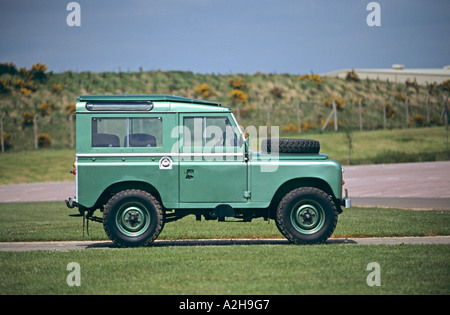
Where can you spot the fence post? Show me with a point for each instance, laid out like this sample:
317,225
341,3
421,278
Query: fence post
360,114
35,131
445,110
407,111
1,133
335,116
299,121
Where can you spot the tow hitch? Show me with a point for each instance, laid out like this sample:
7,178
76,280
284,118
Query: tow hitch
84,213
71,203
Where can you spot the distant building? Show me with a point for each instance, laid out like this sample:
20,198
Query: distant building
399,74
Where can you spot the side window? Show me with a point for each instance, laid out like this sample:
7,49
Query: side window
126,132
208,132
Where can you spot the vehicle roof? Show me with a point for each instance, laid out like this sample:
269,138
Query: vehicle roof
160,102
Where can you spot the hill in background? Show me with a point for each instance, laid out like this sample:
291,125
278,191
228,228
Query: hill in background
35,95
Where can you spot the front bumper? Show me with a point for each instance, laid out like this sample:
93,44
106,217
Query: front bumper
346,202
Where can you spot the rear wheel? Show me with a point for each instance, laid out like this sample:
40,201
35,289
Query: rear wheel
307,215
133,218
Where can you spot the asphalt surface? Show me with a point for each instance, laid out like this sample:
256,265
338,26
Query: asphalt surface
406,185
83,245
419,186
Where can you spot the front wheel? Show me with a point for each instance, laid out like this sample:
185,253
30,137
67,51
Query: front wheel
307,215
133,218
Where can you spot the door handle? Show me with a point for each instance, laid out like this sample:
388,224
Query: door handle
188,174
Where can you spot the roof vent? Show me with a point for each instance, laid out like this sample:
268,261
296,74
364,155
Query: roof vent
398,67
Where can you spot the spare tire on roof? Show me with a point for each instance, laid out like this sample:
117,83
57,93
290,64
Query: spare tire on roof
284,145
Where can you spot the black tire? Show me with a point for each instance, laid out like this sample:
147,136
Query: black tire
133,218
283,145
307,215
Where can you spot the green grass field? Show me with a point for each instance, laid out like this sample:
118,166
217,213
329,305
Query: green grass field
237,269
229,270
49,221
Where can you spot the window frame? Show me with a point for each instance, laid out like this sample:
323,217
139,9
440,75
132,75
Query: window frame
129,122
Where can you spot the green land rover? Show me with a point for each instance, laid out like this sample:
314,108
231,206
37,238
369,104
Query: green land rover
145,160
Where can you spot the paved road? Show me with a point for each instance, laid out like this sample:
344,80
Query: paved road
82,245
406,185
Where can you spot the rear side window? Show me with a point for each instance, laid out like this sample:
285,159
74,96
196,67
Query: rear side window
126,132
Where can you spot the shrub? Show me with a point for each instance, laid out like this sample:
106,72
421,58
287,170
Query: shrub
56,88
340,102
390,111
401,97
245,111
46,108
305,127
37,72
22,85
445,85
27,119
417,119
5,88
44,140
352,76
310,77
70,109
9,68
290,128
7,141
239,84
204,90
25,92
24,73
238,96
436,121
277,93
412,84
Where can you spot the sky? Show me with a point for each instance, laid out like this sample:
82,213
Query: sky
225,36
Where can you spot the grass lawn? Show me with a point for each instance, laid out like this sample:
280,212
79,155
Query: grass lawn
49,221
228,270
45,165
237,269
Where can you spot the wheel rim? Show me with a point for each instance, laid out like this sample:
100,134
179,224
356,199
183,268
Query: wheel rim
308,217
133,219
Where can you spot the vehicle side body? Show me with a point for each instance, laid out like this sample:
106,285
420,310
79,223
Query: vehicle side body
162,145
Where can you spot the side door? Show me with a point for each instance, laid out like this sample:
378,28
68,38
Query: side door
212,166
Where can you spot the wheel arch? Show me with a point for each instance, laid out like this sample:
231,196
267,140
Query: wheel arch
119,186
297,183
